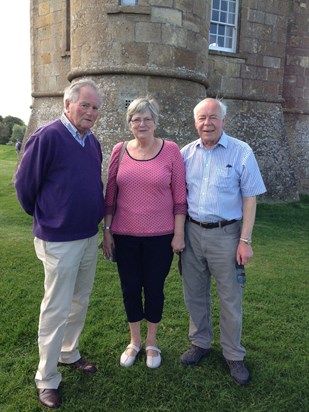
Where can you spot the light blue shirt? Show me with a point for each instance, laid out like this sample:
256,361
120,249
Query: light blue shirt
218,178
74,132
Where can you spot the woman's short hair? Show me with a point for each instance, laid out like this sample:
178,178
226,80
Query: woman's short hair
141,105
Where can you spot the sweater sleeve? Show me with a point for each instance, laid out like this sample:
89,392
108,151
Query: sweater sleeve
31,172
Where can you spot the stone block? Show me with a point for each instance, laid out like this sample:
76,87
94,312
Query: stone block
46,58
161,55
197,42
165,15
189,23
175,36
269,61
304,61
139,51
184,5
44,8
231,86
185,59
256,16
163,3
148,33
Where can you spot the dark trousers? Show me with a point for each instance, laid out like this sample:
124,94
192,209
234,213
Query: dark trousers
143,265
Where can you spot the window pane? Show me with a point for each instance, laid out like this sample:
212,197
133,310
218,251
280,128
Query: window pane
221,30
228,42
212,40
220,41
215,15
213,28
224,5
215,4
229,31
232,7
231,19
223,17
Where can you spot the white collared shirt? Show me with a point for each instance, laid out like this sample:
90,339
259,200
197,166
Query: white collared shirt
74,132
218,178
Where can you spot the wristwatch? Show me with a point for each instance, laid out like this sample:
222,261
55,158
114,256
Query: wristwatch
246,240
106,227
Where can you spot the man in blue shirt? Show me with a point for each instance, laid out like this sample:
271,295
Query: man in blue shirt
223,180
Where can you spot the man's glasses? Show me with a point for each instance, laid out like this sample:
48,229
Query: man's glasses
137,121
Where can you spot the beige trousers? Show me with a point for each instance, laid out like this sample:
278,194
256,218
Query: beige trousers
69,275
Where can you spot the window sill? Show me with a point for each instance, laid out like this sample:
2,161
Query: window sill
128,10
224,53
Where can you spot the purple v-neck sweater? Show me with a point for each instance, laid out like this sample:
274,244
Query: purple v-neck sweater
59,183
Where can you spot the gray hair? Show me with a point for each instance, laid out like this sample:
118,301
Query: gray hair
223,108
141,105
72,92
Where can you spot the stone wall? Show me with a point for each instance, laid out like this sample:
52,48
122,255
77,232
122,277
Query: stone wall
50,59
296,91
161,48
261,124
256,71
251,82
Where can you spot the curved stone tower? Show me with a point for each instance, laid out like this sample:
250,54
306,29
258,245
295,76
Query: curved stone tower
129,51
160,47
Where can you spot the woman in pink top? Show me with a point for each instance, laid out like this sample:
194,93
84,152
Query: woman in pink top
147,225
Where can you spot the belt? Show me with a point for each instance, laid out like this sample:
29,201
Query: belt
211,225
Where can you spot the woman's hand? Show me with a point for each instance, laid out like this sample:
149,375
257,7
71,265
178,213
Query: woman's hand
178,243
108,244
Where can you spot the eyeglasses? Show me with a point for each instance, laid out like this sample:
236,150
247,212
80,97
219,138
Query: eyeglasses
137,121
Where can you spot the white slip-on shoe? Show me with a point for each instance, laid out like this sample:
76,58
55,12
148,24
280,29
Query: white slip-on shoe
128,360
153,361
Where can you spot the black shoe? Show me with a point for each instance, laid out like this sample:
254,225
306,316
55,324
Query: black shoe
238,371
193,355
49,397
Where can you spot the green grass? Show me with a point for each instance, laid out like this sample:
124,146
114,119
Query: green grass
275,332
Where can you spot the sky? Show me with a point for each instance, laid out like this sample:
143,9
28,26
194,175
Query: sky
15,68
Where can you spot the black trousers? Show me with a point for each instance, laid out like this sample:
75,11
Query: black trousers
143,265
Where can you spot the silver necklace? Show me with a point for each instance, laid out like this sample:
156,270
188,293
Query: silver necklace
144,154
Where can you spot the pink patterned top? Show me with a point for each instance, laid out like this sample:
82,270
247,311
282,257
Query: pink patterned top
150,192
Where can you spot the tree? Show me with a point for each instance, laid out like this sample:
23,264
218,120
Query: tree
18,133
4,133
6,127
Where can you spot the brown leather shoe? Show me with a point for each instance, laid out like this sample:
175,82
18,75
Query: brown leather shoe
82,365
49,397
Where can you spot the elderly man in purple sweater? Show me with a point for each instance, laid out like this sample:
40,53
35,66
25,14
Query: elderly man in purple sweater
59,183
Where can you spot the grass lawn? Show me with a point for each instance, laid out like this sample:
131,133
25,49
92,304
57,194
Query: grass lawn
275,330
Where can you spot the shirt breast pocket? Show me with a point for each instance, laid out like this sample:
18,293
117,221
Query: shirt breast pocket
226,179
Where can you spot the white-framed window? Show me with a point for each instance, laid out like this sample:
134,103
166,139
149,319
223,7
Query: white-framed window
223,25
127,2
